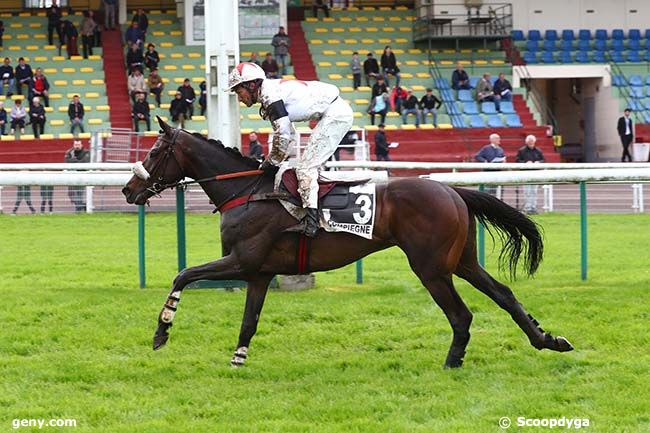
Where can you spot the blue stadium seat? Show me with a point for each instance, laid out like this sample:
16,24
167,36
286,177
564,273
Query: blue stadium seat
647,82
441,83
473,81
646,44
568,35
646,116
599,57
476,122
530,58
549,45
600,45
617,56
517,35
636,81
452,109
634,44
495,121
566,45
465,95
507,107
534,35
582,57
493,79
532,45
633,56
447,95
470,108
584,34
636,105
634,34
637,92
647,104
617,44
458,122
646,57
565,57
547,57
513,121
601,34
618,34
619,81
488,108
584,45
550,35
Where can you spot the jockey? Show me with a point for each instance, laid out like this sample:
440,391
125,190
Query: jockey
287,101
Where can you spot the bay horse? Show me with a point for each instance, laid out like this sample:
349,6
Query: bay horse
433,223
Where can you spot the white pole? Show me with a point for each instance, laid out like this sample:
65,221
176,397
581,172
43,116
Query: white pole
89,199
641,205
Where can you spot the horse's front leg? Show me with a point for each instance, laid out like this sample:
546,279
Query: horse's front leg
255,295
226,268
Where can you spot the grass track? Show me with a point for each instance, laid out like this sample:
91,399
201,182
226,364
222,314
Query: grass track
76,338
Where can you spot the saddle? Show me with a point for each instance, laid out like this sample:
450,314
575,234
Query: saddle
328,189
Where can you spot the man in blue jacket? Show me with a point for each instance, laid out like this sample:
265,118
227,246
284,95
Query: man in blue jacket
491,153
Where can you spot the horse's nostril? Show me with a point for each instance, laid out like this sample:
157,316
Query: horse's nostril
126,190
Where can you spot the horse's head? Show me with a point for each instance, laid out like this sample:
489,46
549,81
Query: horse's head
159,170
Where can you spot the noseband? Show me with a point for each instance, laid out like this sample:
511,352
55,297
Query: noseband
158,186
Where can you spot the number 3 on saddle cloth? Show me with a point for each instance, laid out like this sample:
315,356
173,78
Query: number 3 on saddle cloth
344,205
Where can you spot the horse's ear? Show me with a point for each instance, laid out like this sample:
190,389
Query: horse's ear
164,126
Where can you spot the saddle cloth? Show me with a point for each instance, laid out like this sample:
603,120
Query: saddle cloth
344,205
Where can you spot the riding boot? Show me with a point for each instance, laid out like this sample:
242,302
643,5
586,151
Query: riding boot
311,222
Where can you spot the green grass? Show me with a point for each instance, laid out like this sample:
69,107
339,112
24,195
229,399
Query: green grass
76,338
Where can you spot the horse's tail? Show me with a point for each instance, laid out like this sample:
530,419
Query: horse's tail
511,226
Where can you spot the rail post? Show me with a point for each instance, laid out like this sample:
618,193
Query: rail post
180,228
583,230
141,260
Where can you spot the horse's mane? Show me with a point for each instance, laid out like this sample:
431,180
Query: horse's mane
250,162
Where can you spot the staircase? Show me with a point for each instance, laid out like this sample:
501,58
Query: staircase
523,111
303,66
116,82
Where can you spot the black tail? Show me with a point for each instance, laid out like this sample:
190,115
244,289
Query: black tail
511,226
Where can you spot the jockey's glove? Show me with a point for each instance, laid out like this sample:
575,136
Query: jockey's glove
267,166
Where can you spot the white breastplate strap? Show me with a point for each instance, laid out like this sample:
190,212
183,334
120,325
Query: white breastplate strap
139,170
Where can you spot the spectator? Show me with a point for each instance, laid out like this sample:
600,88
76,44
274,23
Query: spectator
156,84
47,193
143,22
281,42
347,143
397,97
411,106
3,119
254,147
37,117
270,67
134,36
370,68
53,22
189,95
502,88
459,78
379,87
109,14
18,115
485,91
97,35
378,105
136,84
69,34
151,57
40,86
141,112
203,97
178,109
76,114
381,144
2,31
23,193
24,76
253,59
625,128
77,155
530,155
430,104
320,4
491,153
389,66
134,59
7,77
88,26
355,65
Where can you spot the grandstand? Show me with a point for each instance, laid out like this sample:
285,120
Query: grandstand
557,75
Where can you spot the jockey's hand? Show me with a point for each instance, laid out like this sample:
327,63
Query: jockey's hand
267,166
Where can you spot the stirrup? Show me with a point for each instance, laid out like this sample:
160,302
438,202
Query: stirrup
312,223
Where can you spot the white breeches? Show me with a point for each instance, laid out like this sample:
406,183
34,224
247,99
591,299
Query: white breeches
324,140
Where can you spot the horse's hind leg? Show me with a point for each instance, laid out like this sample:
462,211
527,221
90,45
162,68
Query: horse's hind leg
471,271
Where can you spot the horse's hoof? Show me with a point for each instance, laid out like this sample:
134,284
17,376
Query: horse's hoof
563,344
160,338
454,362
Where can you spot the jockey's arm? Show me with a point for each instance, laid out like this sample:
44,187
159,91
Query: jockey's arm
283,137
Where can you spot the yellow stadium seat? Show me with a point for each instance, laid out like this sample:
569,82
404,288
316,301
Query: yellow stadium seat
412,63
68,70
408,126
447,62
328,20
414,51
166,44
346,53
367,41
378,19
165,106
76,58
40,59
333,41
60,82
480,62
338,30
189,67
94,57
49,47
346,89
392,114
95,121
398,51
362,19
166,22
426,126
391,127
50,70
63,109
316,42
350,41
357,114
198,118
49,109
254,116
62,59
384,8
202,66
155,12
39,36
372,29
65,136
401,40
334,76
194,55
171,92
321,30
407,75
445,126
26,137
177,55
103,108
56,96
84,135
423,75
16,25
388,29
87,69
97,81
265,130
14,48
31,47
158,33
371,127
417,88
345,19
329,53
169,67
384,41
405,29
364,89
197,79
92,95
342,64
324,64
361,101
395,19
47,136
176,33
498,62
311,20
57,122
